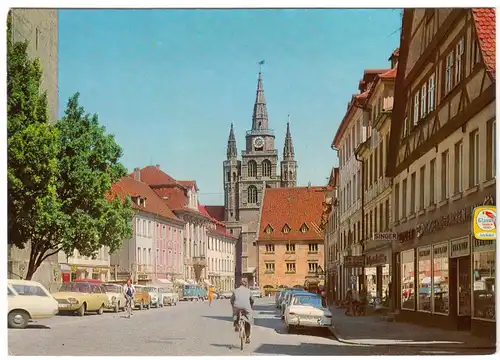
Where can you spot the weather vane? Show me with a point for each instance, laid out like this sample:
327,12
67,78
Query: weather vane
262,62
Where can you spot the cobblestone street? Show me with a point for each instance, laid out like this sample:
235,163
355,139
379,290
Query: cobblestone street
188,329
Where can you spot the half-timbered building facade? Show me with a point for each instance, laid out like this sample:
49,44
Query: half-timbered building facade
443,141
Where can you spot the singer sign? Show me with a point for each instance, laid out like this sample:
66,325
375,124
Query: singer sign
379,236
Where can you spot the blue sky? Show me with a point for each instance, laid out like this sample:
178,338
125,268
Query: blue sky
168,83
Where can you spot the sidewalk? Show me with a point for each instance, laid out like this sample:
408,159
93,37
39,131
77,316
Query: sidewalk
370,330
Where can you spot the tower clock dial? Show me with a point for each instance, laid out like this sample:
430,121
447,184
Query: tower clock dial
258,142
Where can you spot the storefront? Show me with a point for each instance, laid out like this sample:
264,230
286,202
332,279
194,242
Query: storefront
433,268
378,276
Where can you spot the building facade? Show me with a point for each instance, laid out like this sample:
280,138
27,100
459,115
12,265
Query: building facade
154,253
376,187
443,139
353,130
40,28
245,180
290,239
182,198
221,256
84,267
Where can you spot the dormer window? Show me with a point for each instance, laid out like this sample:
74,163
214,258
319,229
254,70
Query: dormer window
139,201
268,230
286,229
304,228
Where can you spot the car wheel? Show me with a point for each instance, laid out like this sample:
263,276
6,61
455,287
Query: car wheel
117,307
141,306
81,310
290,329
100,311
18,319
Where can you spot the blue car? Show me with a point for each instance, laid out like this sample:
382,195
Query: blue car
193,292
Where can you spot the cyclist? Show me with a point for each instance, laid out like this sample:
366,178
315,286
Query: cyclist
242,300
129,291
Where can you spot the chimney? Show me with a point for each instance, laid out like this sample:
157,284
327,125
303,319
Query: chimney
309,185
137,174
158,166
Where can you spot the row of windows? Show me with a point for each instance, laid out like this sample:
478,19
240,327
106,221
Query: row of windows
252,168
220,245
217,265
286,229
291,267
451,173
290,248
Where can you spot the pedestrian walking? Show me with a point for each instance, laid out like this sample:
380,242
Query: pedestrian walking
210,295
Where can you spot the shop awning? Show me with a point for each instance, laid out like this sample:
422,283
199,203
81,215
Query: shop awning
180,281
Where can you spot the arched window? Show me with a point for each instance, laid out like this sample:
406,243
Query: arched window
290,177
234,177
252,168
266,168
252,194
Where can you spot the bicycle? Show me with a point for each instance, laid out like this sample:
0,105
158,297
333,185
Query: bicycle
242,329
128,305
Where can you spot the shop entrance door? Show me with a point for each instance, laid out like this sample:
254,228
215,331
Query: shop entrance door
464,292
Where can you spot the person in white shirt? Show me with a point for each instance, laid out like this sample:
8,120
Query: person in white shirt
129,291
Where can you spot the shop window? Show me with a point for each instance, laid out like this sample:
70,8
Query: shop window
424,278
484,284
407,280
440,280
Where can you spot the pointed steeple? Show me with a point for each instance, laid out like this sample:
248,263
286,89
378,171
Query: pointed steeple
288,151
259,117
231,144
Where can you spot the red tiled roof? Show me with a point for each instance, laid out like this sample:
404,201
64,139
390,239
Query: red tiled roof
127,186
188,183
391,74
294,207
174,196
216,211
484,19
220,228
152,175
395,53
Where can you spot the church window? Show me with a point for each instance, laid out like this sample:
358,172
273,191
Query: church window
286,229
291,175
252,168
252,194
304,228
266,168
234,177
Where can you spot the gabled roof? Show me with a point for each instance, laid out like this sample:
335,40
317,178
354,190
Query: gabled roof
484,20
292,207
174,196
152,175
220,228
127,186
188,184
216,211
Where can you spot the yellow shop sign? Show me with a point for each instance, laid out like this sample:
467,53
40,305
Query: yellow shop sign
484,223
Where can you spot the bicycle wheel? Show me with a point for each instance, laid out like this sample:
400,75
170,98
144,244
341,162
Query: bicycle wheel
242,334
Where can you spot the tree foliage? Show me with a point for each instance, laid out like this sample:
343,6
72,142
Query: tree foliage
59,176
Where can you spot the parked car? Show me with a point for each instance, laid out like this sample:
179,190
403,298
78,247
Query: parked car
193,292
169,296
116,299
288,299
28,300
81,297
278,296
154,294
142,299
307,311
255,292
286,293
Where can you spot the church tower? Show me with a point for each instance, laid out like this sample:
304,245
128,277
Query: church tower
231,175
288,164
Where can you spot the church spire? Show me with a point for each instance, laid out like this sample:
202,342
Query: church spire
259,117
288,151
231,144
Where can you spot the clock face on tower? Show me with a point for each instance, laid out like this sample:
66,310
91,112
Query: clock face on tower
258,142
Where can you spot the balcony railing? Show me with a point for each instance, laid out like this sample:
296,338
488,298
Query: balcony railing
260,132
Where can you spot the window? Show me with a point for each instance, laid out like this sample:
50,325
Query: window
404,195
474,158
354,188
405,127
484,273
9,292
312,267
252,194
313,248
396,202
423,101
407,281
268,229
375,165
421,190
445,175
416,108
304,228
424,278
269,268
270,248
381,218
290,248
375,218
387,215
459,60
476,53
448,82
29,290
290,268
413,205
432,176
381,157
286,229
458,167
440,278
431,93
266,168
370,174
252,168
491,148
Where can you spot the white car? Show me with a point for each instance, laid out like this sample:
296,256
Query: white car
28,300
167,296
307,311
255,292
116,299
154,293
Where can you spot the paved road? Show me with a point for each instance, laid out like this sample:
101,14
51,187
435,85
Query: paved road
187,329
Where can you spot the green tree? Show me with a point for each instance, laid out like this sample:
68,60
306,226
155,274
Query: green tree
32,166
